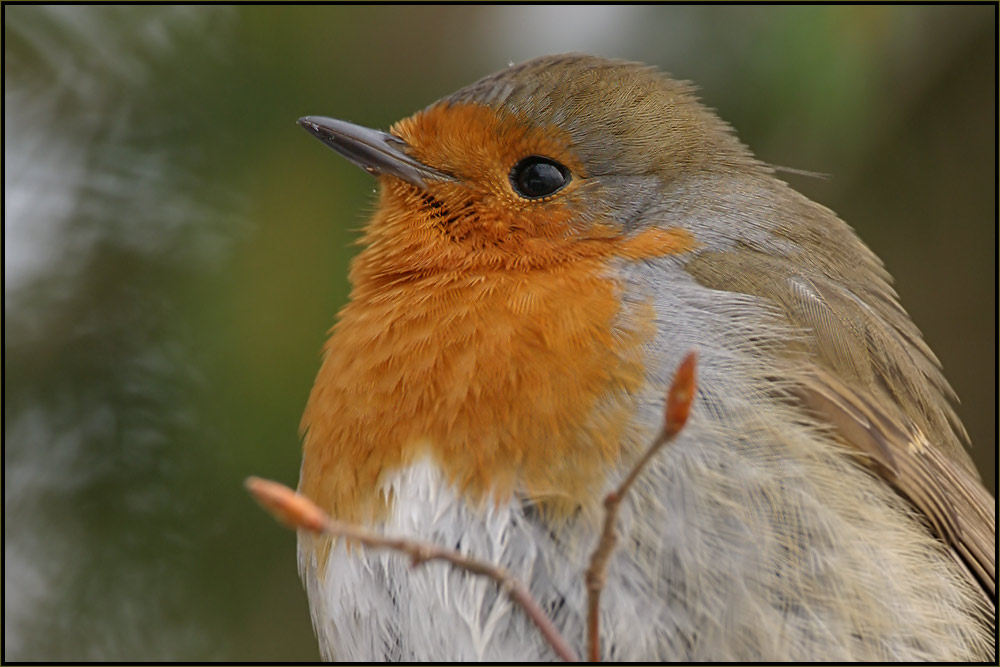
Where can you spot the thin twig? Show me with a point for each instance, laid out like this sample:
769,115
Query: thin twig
679,399
297,511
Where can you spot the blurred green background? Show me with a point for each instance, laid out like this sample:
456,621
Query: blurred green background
175,248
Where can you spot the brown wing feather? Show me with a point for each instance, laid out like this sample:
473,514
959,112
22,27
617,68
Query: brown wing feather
872,377
873,386
955,502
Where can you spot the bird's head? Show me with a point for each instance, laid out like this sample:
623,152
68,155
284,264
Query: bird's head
560,158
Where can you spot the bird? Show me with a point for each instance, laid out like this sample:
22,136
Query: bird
547,245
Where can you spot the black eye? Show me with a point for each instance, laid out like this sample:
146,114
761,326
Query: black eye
536,176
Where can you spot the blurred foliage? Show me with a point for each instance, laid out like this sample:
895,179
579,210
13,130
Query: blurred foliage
175,248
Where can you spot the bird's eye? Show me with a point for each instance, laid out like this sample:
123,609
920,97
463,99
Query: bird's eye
536,176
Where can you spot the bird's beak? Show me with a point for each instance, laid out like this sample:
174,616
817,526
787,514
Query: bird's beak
374,151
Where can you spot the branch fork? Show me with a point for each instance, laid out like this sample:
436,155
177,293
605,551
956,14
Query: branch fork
298,512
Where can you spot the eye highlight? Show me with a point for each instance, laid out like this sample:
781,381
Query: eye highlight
535,177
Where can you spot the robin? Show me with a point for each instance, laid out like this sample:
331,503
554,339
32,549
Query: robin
549,242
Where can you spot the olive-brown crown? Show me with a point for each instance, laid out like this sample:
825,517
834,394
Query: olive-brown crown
623,118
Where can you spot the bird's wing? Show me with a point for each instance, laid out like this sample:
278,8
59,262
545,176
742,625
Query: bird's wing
864,368
875,380
956,504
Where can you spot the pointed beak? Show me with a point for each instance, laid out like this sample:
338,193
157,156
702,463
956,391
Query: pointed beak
374,151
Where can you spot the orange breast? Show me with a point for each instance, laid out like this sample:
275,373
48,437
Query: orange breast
508,380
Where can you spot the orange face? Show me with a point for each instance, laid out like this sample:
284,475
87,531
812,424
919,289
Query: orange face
477,222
